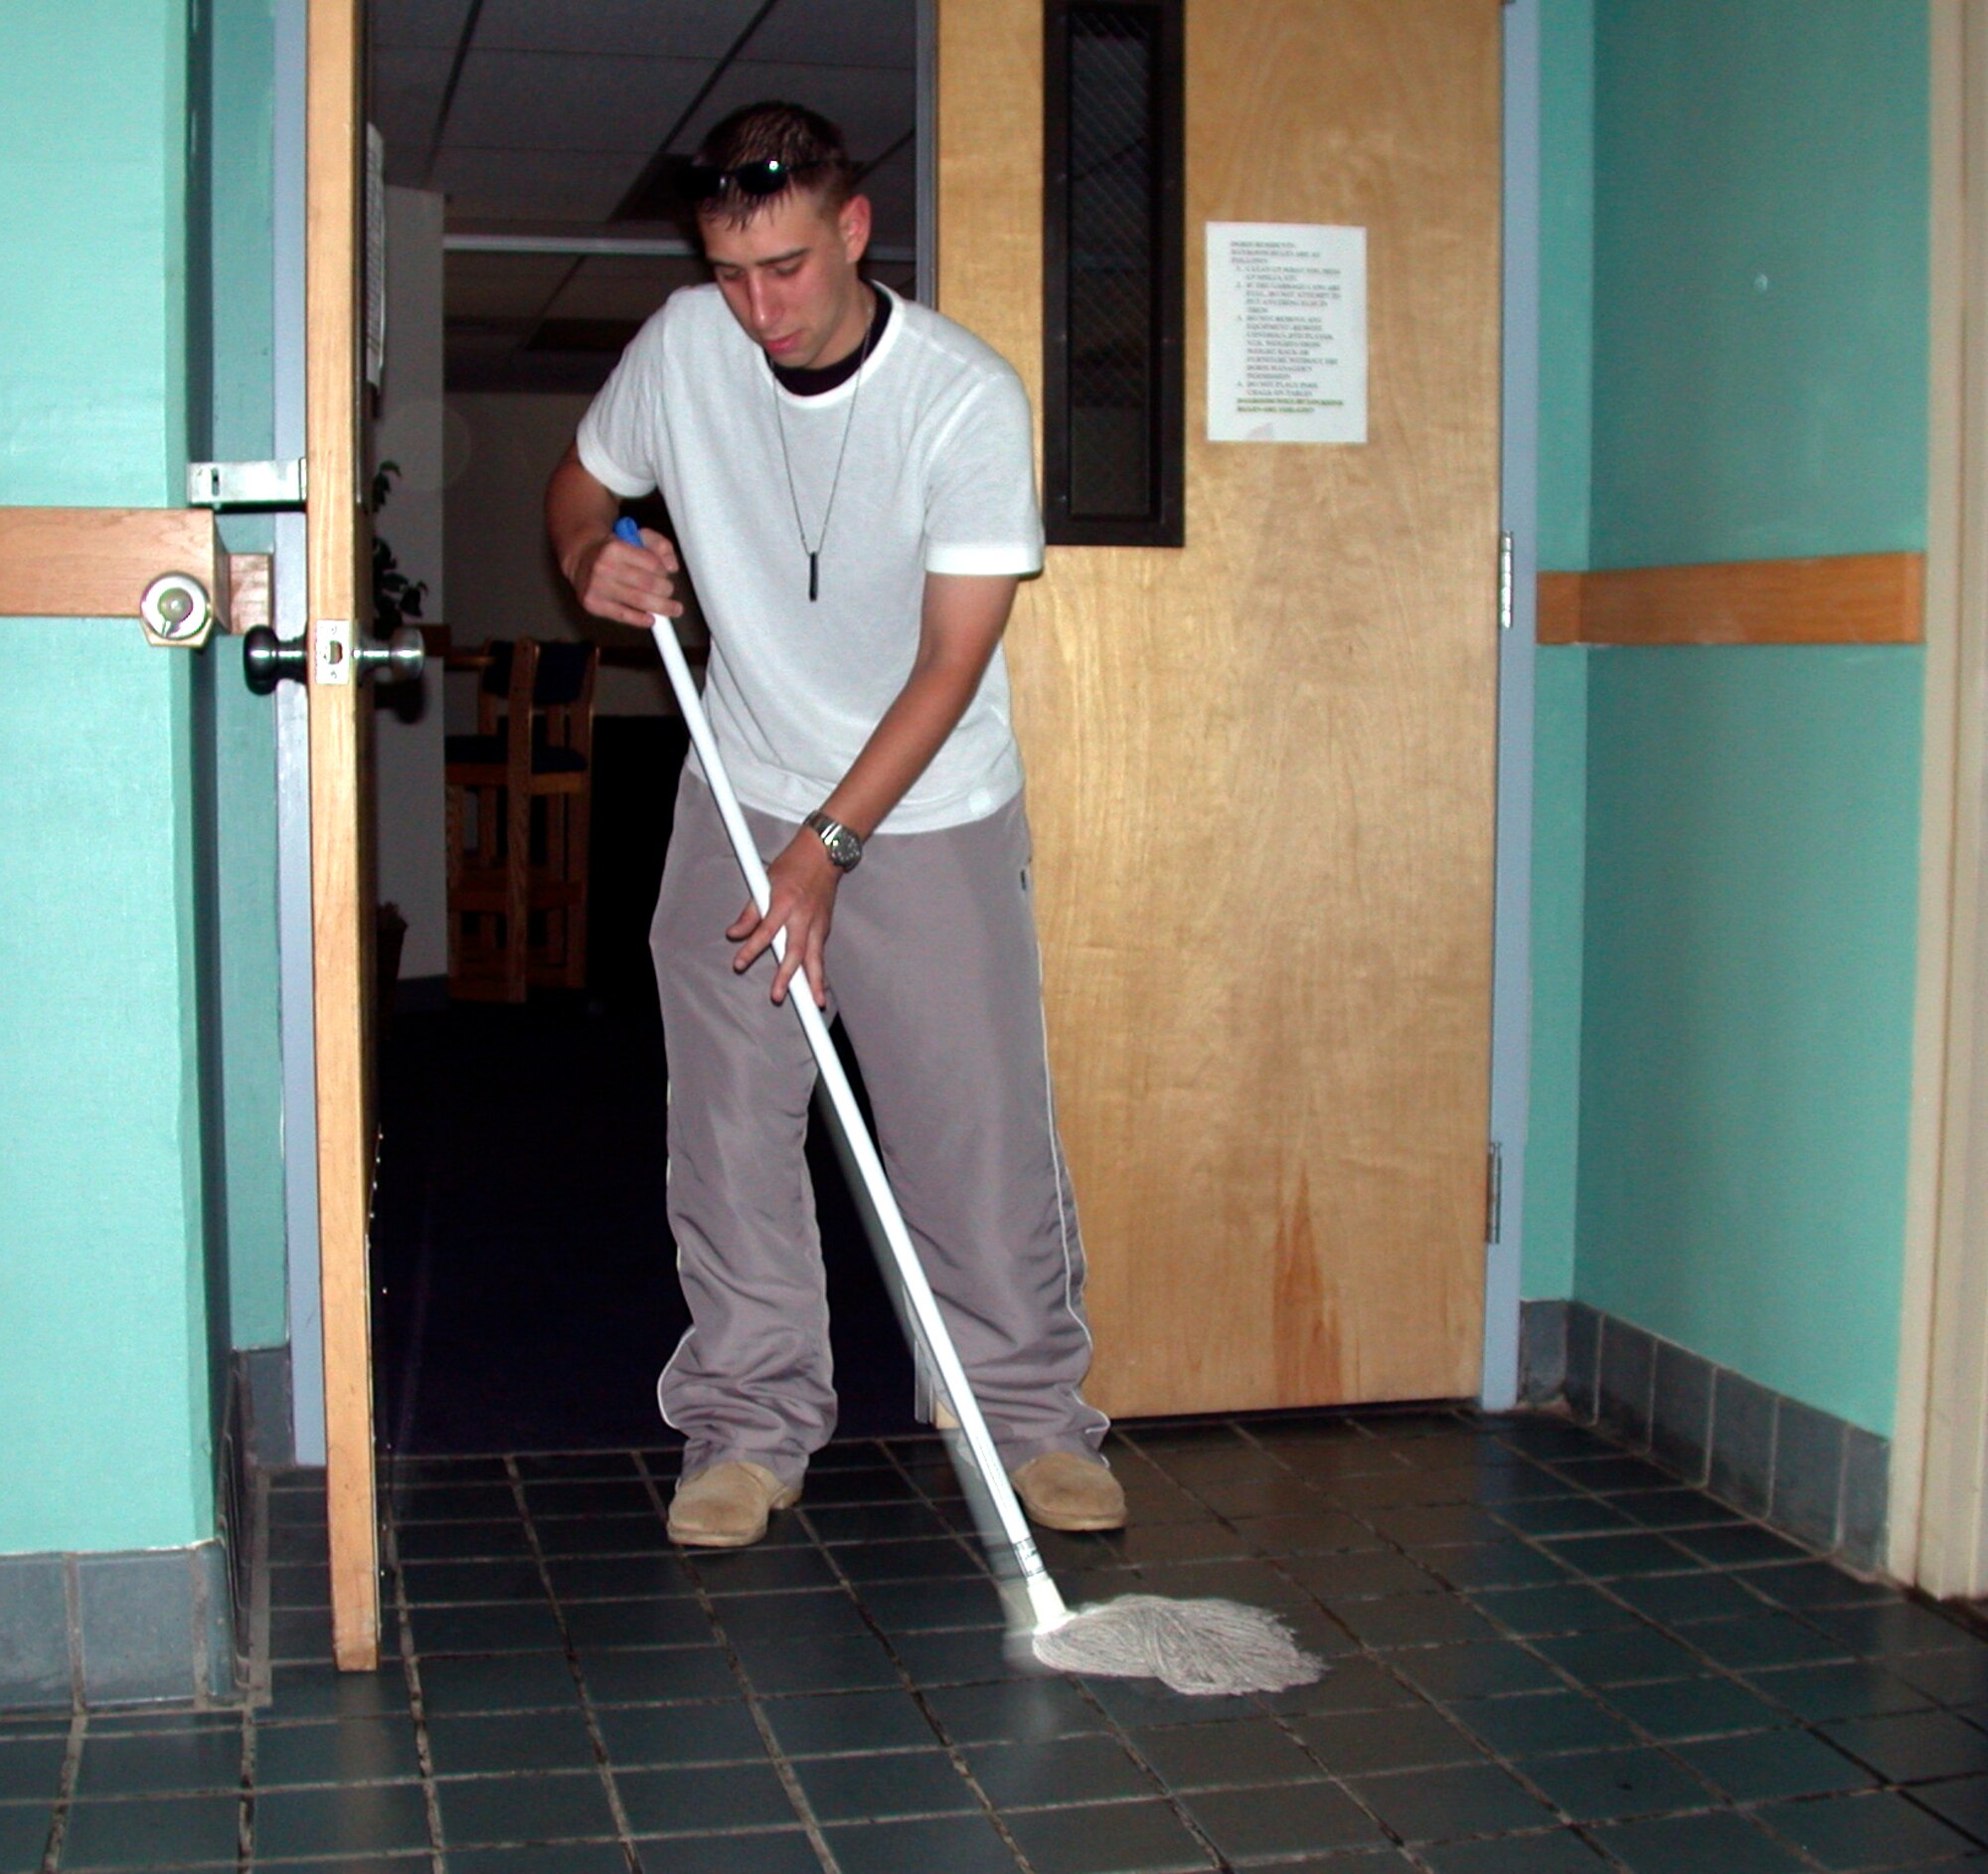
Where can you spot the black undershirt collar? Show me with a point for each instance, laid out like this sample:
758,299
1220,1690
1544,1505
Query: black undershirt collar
811,383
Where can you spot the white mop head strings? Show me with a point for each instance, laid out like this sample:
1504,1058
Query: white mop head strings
1203,1648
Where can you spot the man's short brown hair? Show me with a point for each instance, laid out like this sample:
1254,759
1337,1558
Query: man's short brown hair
799,139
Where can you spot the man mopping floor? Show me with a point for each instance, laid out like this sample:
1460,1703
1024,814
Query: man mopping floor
850,479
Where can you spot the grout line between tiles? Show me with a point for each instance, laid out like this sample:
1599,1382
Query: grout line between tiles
257,1691
244,1809
1376,1658
78,1727
1517,1461
604,1764
411,1670
955,1754
1511,1767
778,1758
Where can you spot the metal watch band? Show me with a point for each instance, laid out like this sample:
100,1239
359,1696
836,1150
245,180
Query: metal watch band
844,848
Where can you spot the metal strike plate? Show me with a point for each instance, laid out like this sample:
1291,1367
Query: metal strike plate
246,484
331,650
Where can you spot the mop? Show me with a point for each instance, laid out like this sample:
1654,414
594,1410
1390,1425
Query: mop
1209,1645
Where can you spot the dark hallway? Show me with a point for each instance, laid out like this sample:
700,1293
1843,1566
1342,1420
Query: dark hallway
526,1294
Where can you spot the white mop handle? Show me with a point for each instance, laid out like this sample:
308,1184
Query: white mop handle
1044,1597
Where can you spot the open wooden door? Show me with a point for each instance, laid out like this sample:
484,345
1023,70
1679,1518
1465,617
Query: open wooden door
1261,766
339,602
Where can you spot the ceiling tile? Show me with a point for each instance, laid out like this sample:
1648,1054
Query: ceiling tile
470,344
416,22
840,32
570,101
525,185
892,189
501,285
623,287
680,29
407,87
473,363
873,107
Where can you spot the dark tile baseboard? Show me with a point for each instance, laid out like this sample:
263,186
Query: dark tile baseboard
154,1625
117,1628
1818,1478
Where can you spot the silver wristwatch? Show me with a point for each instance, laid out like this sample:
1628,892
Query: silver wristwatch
844,849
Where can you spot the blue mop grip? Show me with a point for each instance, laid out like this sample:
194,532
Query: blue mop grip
626,529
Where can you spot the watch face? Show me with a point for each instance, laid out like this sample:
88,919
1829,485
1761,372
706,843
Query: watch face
841,845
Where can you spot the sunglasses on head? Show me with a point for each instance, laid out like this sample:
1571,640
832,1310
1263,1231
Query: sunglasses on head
702,183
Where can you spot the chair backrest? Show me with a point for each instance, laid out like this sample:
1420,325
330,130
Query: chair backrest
509,681
545,690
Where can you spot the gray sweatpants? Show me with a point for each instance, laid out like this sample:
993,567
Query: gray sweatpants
933,967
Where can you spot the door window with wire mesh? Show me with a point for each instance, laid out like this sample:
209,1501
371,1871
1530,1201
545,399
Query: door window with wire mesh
1113,273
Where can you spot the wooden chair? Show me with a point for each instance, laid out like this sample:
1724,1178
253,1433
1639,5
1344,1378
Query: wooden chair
518,879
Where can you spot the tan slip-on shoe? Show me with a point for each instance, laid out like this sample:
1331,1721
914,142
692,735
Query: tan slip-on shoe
725,1506
1066,1490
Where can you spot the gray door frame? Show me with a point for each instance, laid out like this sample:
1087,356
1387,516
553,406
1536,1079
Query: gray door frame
1512,956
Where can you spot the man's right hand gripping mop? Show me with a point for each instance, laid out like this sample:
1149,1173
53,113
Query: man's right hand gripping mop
1201,1645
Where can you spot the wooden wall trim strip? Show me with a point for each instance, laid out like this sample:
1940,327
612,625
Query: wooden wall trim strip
96,563
1559,608
1841,598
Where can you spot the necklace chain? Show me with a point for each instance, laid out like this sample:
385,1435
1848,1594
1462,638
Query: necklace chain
835,482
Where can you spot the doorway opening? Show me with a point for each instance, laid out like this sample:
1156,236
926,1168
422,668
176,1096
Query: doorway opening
525,1290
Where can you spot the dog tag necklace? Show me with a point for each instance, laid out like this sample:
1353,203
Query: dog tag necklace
786,461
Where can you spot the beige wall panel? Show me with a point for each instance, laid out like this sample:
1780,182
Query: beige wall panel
1261,767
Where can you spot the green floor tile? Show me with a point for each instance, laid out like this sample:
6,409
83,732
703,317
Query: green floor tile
160,1763
361,1819
148,1832
358,1750
561,1805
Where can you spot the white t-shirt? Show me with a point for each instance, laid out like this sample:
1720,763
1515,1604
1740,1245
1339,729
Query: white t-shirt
939,476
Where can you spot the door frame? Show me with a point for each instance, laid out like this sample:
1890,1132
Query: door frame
332,1402
1938,1536
341,896
290,618
1512,888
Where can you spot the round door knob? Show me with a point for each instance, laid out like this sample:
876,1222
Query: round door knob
398,660
266,660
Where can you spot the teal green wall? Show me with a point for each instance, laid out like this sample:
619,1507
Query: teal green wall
1560,849
239,115
1559,695
1752,824
105,1391
1740,142
92,220
1567,273
1751,878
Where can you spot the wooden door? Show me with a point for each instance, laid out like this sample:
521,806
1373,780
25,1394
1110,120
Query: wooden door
1261,766
341,860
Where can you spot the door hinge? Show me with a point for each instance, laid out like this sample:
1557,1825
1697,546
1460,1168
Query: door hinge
1504,582
1494,1191
246,484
